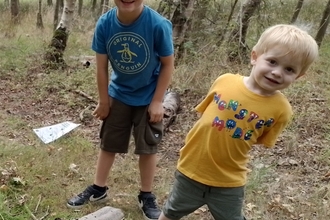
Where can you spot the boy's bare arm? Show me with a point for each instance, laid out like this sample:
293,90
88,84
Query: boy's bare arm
102,79
156,110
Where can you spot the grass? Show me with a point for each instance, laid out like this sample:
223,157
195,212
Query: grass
287,182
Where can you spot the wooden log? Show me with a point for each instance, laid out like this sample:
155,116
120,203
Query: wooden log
171,104
105,213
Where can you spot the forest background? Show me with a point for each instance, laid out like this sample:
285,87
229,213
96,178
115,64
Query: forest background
42,83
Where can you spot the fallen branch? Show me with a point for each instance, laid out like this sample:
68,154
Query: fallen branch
29,212
45,215
37,206
85,95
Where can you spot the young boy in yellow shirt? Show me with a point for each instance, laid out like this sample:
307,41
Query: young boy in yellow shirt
237,113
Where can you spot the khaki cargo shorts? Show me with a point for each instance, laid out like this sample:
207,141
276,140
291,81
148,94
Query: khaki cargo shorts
124,120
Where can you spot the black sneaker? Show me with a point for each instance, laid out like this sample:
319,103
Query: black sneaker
148,205
88,195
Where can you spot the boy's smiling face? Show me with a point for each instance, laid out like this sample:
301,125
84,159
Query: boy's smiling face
273,71
125,6
128,10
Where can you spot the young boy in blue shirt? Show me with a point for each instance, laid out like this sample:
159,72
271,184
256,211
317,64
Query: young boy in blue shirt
138,43
237,113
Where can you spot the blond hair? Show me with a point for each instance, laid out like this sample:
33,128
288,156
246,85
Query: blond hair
293,40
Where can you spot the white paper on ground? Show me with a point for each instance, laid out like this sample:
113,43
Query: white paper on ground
51,133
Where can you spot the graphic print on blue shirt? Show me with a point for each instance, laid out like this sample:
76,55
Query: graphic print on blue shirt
129,52
230,124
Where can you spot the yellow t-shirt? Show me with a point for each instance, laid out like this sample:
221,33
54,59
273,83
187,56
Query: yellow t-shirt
233,119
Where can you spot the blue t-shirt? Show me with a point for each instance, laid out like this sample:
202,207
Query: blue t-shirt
134,51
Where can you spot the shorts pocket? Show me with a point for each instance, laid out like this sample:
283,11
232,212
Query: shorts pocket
154,133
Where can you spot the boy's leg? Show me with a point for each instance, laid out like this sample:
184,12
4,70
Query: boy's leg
147,137
103,167
115,134
95,193
186,196
226,203
147,165
147,200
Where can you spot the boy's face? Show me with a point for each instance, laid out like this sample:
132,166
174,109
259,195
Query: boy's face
273,71
128,6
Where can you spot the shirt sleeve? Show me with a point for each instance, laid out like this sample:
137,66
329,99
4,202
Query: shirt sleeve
164,38
209,97
269,137
99,38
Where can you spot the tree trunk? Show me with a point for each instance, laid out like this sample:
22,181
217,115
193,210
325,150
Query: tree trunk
80,5
56,13
93,5
238,48
54,54
323,25
297,11
224,31
40,24
50,2
180,21
105,6
61,4
100,11
6,3
14,9
166,8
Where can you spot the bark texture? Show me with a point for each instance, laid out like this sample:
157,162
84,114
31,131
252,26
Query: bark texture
323,25
54,54
171,104
297,11
238,52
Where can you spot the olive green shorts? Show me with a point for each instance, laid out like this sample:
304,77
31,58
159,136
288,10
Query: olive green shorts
122,121
188,195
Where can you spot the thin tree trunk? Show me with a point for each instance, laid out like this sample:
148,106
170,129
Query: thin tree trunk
223,32
56,12
166,7
100,7
323,25
14,9
50,2
6,3
61,4
93,5
54,54
40,24
105,7
297,11
80,5
180,21
238,47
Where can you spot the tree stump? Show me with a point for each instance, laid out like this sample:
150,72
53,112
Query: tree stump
171,104
105,213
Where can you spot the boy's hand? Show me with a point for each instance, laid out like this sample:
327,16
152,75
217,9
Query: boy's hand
156,112
102,109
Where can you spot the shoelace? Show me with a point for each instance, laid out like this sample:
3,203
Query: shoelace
85,193
150,203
